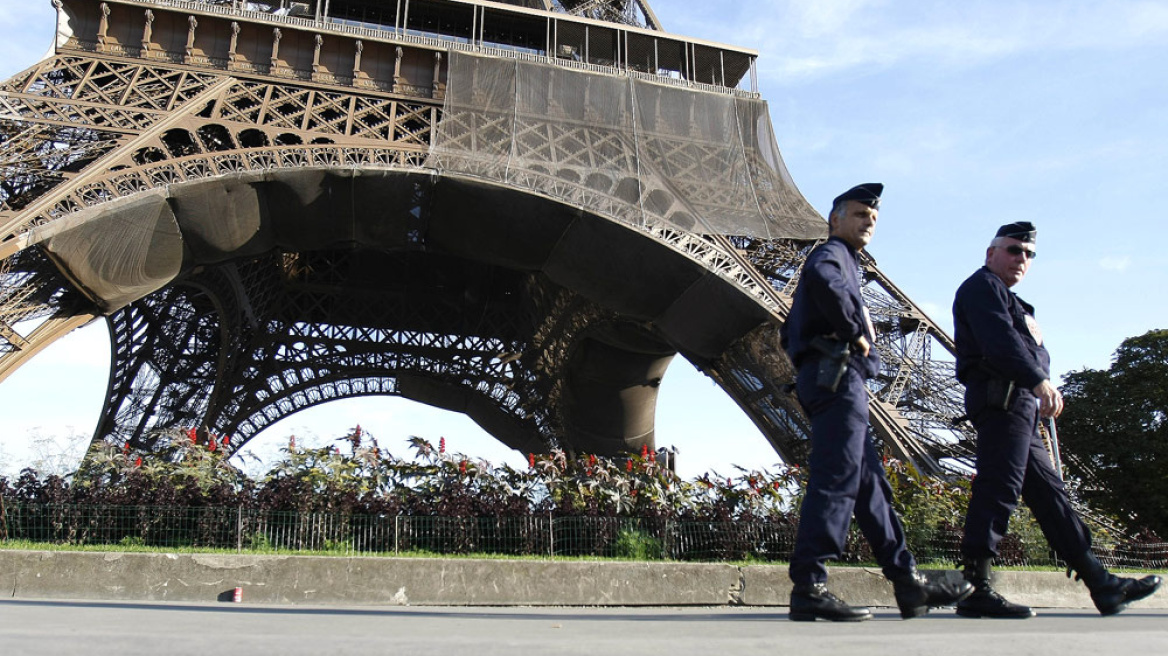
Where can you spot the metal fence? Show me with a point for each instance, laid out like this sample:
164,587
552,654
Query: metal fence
262,531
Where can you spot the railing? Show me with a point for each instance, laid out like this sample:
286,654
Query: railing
387,33
253,530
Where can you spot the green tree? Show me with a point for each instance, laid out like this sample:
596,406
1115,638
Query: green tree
1114,433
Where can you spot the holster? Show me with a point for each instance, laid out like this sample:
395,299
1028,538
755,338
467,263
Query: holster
833,362
998,393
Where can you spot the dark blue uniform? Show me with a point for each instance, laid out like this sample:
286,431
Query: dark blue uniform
847,476
998,340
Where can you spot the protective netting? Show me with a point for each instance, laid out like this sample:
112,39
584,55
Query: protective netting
120,251
620,147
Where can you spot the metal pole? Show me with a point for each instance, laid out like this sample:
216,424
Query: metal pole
1055,457
625,47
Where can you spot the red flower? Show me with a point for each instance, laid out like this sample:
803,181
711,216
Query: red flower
629,465
462,466
193,434
138,462
644,450
126,447
775,485
592,460
531,460
652,456
357,431
442,445
211,444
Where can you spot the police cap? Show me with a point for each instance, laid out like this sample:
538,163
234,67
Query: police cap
867,193
1023,231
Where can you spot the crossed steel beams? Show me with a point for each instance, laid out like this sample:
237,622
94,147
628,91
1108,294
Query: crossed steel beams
238,346
629,12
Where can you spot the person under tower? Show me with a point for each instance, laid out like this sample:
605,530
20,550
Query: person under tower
1003,362
830,339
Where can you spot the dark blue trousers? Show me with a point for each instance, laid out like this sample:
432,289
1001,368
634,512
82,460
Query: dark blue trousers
1012,462
847,477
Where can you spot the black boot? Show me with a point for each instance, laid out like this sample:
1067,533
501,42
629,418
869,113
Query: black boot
915,594
1110,593
985,601
814,601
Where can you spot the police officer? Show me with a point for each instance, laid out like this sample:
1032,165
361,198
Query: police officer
829,336
1005,367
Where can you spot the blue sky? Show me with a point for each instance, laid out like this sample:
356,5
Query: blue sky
973,114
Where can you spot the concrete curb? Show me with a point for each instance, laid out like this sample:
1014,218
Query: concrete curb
284,580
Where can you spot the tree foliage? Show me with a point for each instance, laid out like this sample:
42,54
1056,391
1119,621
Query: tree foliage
1114,433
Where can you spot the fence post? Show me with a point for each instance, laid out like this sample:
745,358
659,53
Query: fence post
665,539
551,535
239,529
396,533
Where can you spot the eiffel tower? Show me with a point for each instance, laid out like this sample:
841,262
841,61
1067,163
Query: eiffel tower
521,210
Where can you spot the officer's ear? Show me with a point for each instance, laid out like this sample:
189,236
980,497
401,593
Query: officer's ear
832,216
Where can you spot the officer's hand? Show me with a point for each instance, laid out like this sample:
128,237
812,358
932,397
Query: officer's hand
863,346
1050,401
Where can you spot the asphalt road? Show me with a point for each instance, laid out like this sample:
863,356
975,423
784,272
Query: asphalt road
117,628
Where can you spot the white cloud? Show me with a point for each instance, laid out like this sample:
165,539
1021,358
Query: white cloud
1119,263
1149,18
804,39
818,18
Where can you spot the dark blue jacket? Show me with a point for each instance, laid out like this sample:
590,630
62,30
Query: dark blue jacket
828,302
992,333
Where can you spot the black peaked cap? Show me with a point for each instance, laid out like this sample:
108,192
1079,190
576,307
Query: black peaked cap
867,193
1023,231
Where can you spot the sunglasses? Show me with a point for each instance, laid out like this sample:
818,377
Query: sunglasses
1018,250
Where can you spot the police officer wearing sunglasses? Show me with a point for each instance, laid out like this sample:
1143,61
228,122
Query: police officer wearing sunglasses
1005,367
829,337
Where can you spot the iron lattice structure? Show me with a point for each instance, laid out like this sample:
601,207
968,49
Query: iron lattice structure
517,210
